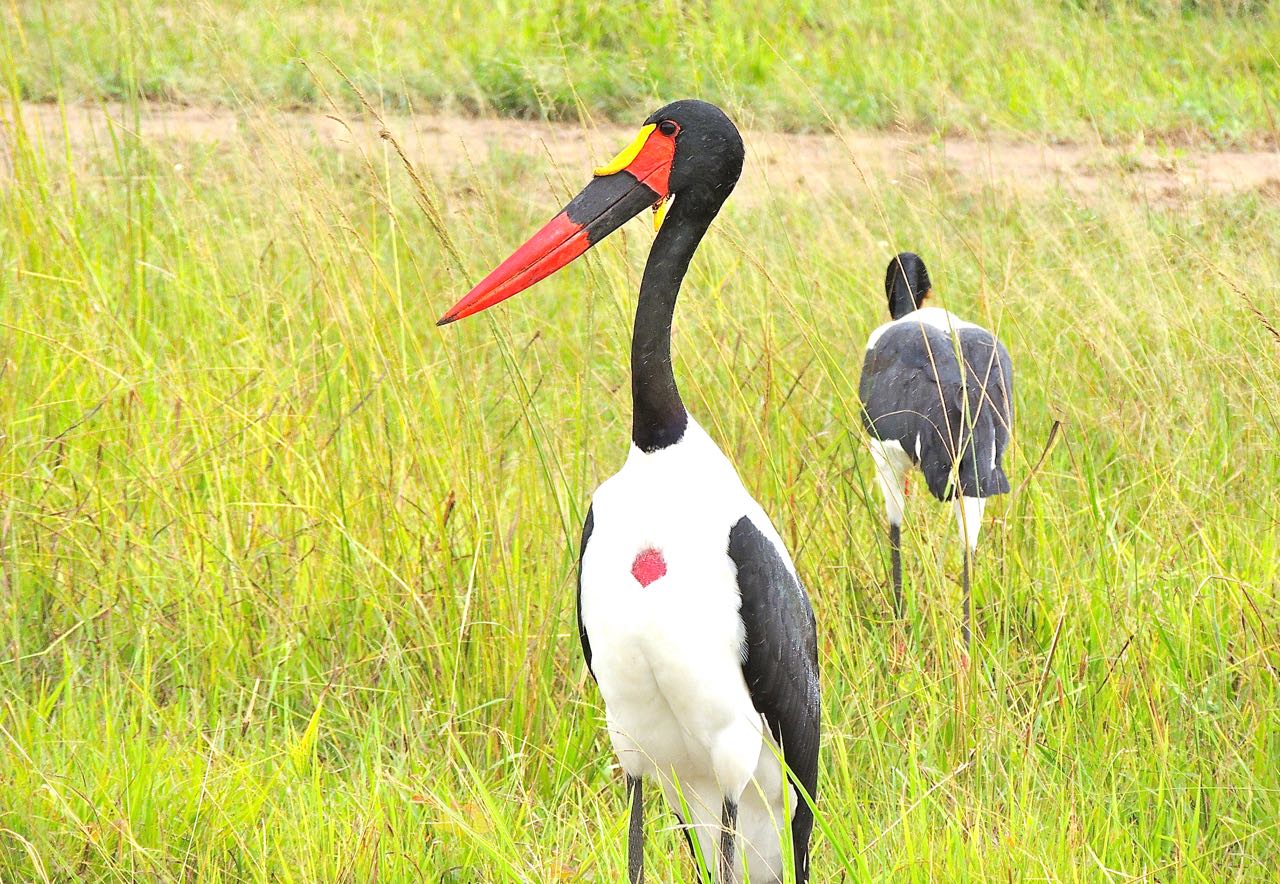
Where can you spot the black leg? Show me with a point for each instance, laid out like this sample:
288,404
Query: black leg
698,866
895,555
964,629
728,828
635,834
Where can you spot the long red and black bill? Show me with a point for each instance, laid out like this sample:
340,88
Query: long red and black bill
633,181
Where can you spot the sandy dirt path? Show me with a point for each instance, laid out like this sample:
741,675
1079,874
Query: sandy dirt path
777,162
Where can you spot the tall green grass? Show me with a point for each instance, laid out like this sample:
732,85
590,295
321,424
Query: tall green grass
1149,68
288,572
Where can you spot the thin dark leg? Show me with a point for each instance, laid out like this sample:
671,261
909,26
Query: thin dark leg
698,865
635,835
728,827
964,629
895,556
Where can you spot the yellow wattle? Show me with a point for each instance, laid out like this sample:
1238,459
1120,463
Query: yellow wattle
660,213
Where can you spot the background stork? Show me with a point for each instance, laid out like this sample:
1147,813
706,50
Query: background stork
937,394
691,617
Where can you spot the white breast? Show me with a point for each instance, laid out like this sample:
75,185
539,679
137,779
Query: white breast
668,656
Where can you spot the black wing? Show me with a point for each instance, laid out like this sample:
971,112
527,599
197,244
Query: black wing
914,392
582,550
989,385
781,667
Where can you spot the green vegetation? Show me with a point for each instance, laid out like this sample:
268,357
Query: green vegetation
1151,68
286,573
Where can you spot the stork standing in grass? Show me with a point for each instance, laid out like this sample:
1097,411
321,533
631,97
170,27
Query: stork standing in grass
937,394
692,620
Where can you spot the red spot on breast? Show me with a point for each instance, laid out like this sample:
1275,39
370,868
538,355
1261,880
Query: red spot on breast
648,566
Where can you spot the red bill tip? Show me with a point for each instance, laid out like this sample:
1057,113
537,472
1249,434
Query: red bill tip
552,247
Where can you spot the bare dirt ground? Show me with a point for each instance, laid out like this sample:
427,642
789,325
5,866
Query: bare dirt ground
777,162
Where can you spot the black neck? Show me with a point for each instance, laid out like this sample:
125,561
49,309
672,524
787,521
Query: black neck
658,416
902,300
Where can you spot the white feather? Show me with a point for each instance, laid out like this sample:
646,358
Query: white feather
969,519
935,317
892,463
668,656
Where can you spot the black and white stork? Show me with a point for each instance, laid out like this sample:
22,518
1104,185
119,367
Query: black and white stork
692,619
937,394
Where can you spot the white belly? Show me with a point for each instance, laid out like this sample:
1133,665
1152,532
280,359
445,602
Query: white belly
668,655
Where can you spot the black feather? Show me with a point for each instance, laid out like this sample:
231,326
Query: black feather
914,392
780,666
587,528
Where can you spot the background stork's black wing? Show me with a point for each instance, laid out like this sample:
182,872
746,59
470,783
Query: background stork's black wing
781,665
914,393
990,372
582,551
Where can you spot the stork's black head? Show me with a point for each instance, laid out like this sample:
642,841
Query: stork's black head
708,150
906,284
688,150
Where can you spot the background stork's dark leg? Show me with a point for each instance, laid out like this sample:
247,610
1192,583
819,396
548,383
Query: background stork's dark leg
728,829
635,834
700,867
969,519
895,556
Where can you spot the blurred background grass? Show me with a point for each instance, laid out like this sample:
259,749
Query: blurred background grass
1118,69
288,573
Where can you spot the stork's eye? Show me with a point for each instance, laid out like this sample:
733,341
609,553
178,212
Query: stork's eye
668,128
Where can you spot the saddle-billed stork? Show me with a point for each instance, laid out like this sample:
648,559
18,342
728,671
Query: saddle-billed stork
691,617
923,409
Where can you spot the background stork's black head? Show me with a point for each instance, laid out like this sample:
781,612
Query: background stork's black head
708,152
906,284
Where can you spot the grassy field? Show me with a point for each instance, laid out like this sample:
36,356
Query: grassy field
1081,68
286,588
